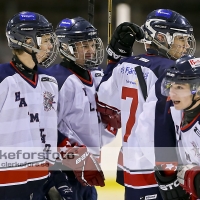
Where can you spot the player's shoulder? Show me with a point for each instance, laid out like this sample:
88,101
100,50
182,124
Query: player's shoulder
148,60
59,72
45,75
6,70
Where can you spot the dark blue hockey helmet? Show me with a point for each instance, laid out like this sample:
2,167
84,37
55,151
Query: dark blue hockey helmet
72,33
186,70
163,26
30,25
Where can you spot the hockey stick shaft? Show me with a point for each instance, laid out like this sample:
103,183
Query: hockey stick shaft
91,11
109,20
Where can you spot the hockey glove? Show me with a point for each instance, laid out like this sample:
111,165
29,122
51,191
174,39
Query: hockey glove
169,187
189,178
86,169
122,41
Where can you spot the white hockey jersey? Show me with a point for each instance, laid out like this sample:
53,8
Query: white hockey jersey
122,91
78,119
28,128
188,138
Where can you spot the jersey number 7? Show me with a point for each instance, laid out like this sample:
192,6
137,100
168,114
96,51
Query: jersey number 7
131,93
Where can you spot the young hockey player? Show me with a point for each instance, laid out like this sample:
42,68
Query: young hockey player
167,36
181,84
28,105
78,75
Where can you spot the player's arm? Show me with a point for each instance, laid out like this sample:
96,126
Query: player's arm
108,101
144,131
4,88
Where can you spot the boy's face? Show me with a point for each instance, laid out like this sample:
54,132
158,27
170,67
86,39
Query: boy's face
181,96
179,47
45,48
85,50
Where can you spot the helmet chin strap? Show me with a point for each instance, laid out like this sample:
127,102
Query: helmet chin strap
193,103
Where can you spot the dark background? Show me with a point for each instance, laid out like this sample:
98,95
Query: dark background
55,10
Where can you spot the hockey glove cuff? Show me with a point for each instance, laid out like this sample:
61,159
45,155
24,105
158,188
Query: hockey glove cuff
189,178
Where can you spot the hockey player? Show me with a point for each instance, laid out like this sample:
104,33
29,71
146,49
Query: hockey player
28,105
168,35
81,51
182,86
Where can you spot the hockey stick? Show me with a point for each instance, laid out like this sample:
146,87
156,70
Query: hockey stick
91,11
109,20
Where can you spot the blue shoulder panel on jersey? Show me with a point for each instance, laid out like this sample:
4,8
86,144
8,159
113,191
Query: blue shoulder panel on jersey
156,63
5,71
60,73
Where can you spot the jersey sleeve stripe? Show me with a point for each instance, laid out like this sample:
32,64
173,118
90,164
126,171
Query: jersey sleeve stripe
139,180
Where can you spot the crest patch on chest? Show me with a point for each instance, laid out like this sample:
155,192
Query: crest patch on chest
48,101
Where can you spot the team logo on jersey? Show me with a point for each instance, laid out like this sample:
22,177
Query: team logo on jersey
195,149
48,101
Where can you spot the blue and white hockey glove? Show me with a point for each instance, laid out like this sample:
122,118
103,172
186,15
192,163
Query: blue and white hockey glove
122,41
